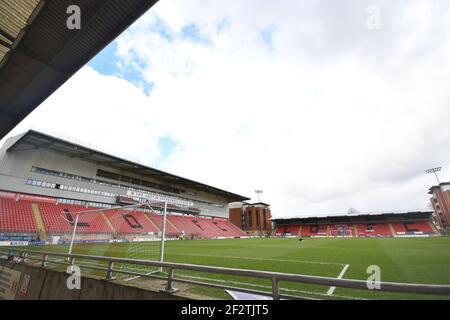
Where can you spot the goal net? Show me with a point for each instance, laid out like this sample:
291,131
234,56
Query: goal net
341,231
134,232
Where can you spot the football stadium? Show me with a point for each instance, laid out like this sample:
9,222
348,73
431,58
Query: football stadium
78,222
64,198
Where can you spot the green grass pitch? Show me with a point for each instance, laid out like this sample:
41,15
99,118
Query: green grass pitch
408,260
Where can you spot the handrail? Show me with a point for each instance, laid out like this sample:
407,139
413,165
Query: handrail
275,277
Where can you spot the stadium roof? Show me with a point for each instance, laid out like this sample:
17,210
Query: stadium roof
33,139
257,203
38,53
365,215
433,188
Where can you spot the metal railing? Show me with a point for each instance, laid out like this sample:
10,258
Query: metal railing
23,256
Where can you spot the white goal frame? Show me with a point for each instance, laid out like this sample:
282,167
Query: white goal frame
146,204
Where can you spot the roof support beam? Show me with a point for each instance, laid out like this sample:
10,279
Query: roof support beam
82,155
31,55
35,146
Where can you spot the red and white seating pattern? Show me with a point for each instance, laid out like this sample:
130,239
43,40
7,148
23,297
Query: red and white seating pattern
345,230
288,229
376,229
416,227
17,216
57,221
131,222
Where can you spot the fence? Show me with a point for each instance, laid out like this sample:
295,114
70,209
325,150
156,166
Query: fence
23,256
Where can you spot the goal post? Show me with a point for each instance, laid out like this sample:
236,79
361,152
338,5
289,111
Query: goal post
163,234
137,231
341,232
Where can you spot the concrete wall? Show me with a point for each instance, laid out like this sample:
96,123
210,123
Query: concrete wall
47,284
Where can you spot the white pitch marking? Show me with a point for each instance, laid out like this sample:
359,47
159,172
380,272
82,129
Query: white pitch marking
253,258
267,287
340,276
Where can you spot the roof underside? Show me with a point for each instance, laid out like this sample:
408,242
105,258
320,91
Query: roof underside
37,140
38,53
354,218
15,16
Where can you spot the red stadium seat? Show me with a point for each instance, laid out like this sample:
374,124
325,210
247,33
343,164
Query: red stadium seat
16,216
205,227
415,227
60,219
132,222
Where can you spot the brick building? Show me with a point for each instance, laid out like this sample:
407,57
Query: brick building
251,217
440,199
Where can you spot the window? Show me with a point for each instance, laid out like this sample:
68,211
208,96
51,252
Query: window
108,175
118,177
146,193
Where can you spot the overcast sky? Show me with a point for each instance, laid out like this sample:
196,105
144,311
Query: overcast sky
325,105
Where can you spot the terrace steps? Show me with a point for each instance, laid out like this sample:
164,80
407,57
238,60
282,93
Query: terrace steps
39,222
433,227
151,221
173,225
391,227
108,222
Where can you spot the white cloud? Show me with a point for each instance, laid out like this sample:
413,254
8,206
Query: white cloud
104,111
333,116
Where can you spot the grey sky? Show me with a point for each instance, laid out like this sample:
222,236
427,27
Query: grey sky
299,98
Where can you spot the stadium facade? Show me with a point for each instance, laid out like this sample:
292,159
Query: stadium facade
38,170
251,217
387,224
440,198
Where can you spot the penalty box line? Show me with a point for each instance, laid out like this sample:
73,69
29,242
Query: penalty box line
340,276
259,259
